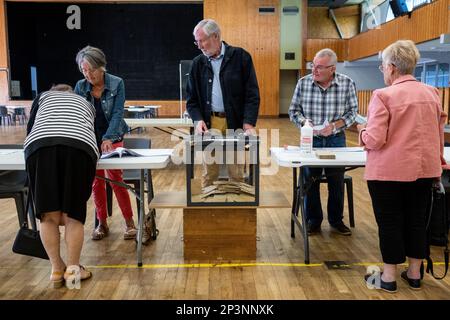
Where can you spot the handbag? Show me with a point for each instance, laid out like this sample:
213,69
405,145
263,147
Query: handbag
437,228
28,241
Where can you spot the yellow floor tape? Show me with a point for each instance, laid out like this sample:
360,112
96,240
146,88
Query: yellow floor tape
231,265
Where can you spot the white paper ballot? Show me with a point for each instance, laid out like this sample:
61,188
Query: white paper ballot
321,126
360,119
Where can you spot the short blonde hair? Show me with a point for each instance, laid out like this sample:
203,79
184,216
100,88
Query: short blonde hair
403,54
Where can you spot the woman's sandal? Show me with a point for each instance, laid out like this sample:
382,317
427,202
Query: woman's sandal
100,232
130,233
84,273
74,274
57,279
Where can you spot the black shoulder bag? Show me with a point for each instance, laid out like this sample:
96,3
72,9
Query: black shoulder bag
28,241
437,228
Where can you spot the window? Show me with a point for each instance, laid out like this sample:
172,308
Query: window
418,73
442,75
410,4
435,74
430,74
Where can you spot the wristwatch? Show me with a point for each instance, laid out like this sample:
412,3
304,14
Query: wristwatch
334,127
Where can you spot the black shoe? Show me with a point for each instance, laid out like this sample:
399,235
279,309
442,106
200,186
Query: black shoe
341,228
413,283
312,229
374,281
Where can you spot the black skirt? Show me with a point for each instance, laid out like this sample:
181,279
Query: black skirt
61,180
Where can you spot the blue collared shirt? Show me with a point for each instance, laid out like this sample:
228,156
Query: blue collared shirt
217,98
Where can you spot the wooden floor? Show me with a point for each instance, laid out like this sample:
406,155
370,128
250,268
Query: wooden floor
277,273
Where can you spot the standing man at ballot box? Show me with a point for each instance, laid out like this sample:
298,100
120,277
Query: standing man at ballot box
222,91
328,100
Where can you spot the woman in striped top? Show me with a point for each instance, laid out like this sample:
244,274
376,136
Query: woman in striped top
61,155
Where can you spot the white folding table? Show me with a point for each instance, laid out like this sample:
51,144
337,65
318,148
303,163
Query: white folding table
13,159
347,158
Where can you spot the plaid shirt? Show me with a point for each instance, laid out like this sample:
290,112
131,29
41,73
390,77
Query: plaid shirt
338,101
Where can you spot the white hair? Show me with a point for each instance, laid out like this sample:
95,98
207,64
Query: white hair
209,26
403,54
327,53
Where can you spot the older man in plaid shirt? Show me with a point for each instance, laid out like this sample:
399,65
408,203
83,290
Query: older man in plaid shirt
327,98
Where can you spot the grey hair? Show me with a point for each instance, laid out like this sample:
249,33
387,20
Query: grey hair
403,54
209,26
92,55
327,52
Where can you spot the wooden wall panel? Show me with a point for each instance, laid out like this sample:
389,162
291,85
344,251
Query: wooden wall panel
243,26
349,26
4,88
319,25
448,16
219,234
426,23
363,101
338,45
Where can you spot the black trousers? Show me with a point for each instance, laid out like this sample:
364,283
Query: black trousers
401,211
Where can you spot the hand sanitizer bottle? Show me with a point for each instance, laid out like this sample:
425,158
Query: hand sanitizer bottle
306,139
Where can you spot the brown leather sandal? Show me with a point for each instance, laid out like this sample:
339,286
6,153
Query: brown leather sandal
84,273
100,232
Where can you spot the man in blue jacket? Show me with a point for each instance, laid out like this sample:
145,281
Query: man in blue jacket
222,90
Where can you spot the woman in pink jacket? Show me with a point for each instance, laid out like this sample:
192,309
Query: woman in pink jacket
404,141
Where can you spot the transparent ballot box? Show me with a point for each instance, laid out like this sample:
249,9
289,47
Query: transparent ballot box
222,171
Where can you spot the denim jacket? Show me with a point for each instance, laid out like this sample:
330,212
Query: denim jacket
113,100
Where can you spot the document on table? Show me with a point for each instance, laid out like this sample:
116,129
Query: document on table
343,149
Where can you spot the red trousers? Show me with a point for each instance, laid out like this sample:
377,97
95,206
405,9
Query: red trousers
99,192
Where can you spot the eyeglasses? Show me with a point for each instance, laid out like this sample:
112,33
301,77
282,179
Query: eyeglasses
89,71
381,67
321,68
200,41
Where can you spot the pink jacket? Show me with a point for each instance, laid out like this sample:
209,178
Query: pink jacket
404,137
